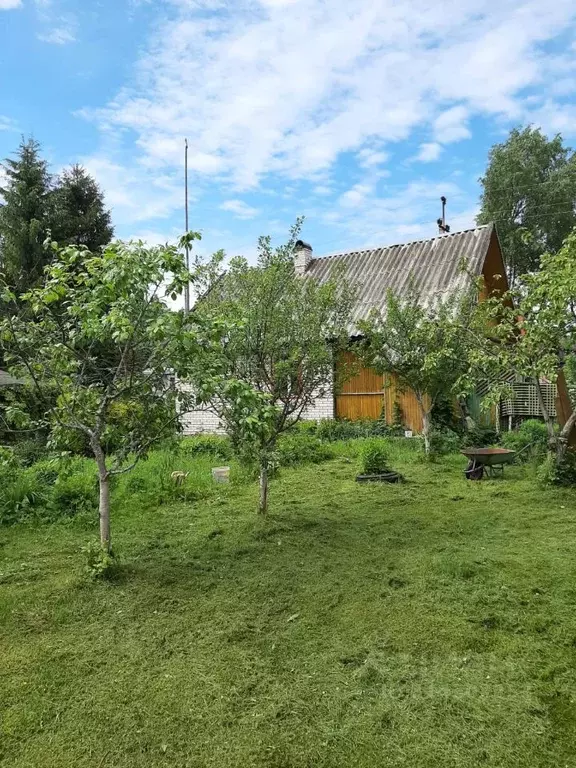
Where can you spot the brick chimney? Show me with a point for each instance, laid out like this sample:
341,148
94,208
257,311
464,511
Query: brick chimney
302,256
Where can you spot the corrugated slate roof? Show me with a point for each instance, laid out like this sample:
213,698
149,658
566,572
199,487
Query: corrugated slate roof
434,266
8,381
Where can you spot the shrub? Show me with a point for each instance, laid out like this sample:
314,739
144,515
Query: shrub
100,563
330,430
531,438
549,473
136,483
294,448
21,496
309,427
397,416
374,457
7,457
28,452
444,416
444,442
480,437
46,472
212,445
74,494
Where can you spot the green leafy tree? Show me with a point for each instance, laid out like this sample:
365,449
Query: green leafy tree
285,331
529,190
24,216
533,332
79,215
425,347
99,331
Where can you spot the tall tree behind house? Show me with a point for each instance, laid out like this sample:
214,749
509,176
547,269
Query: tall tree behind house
78,212
24,216
529,191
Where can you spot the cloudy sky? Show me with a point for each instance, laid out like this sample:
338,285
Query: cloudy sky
357,114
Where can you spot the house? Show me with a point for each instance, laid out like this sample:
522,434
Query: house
8,381
437,267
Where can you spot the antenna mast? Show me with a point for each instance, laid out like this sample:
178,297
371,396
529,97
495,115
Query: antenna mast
443,228
187,288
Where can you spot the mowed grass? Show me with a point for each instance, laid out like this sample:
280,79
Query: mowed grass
426,624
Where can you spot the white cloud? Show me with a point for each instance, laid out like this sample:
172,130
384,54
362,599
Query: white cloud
57,28
451,125
7,124
58,36
287,91
410,214
7,5
152,237
369,158
133,193
554,118
270,90
240,209
357,195
429,152
322,190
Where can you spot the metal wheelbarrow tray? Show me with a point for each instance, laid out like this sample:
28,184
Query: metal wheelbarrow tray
488,458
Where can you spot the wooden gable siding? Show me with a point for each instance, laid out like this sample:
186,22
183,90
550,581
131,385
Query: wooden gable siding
366,395
370,395
494,271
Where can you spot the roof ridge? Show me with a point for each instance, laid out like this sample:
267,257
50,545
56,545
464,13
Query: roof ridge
401,245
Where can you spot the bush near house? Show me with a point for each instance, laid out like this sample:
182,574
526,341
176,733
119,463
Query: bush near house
294,449
443,442
375,457
551,473
331,430
530,440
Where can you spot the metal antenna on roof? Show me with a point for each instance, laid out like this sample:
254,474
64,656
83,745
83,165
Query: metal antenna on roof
443,228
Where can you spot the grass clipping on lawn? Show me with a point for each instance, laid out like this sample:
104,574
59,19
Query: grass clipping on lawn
429,624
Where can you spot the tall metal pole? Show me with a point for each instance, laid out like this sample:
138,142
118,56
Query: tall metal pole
187,289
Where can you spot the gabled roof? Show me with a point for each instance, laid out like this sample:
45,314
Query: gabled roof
8,381
433,266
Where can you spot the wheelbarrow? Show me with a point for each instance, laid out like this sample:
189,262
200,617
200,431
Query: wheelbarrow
491,460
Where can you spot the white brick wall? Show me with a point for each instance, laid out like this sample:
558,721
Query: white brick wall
323,408
197,422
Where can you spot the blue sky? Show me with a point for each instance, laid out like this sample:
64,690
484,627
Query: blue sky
358,115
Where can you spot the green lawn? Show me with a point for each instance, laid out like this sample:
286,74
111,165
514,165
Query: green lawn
428,624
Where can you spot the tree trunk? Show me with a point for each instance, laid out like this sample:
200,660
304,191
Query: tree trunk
552,439
263,506
563,439
104,503
104,513
557,444
426,429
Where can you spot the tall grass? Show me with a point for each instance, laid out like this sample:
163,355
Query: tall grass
51,489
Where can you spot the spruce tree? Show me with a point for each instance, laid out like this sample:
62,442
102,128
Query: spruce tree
24,216
79,216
